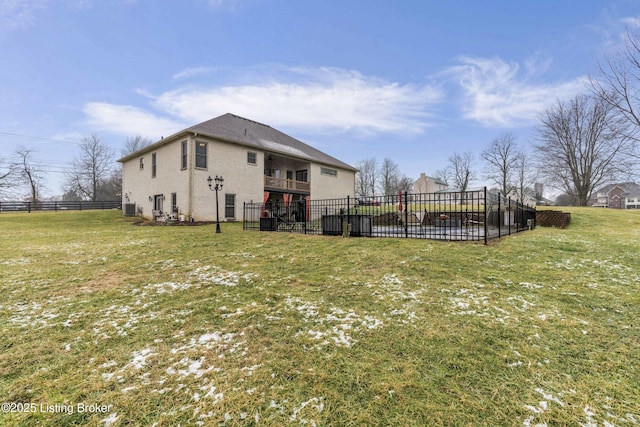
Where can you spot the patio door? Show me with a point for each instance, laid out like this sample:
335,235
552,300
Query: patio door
157,202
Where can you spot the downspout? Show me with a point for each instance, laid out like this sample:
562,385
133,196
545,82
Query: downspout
191,143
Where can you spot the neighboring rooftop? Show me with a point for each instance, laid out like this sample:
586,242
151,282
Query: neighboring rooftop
631,189
436,180
239,130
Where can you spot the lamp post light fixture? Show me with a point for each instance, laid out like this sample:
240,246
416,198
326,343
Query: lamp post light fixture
218,186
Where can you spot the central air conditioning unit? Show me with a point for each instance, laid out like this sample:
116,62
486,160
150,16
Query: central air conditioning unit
129,209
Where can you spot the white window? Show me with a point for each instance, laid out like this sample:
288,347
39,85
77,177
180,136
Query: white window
183,155
251,158
201,155
230,206
330,172
301,175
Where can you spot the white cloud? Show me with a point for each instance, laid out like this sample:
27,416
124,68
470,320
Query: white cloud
222,3
500,93
191,72
631,21
310,99
128,120
19,13
15,14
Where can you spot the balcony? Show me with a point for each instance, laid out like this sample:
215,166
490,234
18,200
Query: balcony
283,184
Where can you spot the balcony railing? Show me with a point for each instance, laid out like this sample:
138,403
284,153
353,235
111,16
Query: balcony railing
285,184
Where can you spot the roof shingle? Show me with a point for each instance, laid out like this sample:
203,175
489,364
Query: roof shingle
236,129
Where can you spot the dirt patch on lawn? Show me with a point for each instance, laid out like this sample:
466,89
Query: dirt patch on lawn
104,282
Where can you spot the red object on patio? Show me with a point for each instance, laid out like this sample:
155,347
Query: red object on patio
400,200
265,213
287,199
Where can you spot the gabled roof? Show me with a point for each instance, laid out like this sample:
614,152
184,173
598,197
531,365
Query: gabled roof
238,130
437,181
631,189
427,177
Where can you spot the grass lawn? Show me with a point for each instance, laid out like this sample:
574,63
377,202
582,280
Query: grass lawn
105,323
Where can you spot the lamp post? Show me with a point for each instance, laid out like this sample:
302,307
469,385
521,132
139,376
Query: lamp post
218,186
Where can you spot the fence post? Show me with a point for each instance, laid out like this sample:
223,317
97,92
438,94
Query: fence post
29,207
509,216
499,215
406,215
463,198
349,216
486,217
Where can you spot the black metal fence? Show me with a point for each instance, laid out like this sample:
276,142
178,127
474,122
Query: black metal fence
477,215
59,206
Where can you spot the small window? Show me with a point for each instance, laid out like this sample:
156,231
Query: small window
153,165
251,158
330,172
301,175
229,205
201,155
141,163
183,155
174,203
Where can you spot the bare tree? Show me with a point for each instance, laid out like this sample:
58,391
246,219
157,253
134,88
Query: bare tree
29,173
111,188
7,173
460,170
523,177
443,175
578,149
134,144
618,84
89,171
501,157
366,177
565,199
389,177
405,184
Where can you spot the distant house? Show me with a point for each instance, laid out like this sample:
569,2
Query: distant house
542,201
618,196
427,184
258,163
456,195
528,198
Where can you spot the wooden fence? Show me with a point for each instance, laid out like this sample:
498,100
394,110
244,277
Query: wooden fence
11,206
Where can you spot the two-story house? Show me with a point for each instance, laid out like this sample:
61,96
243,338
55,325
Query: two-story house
618,196
427,184
258,163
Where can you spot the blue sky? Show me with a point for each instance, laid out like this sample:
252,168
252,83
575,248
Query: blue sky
410,80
